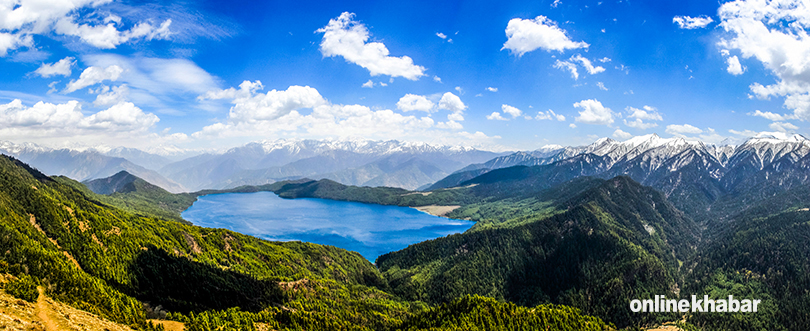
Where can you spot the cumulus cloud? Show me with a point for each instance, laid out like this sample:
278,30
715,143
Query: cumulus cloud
526,35
774,33
686,22
312,116
250,106
368,84
512,111
593,112
110,96
734,66
549,115
441,35
452,102
619,134
413,102
343,36
56,121
60,68
681,130
496,116
437,79
94,75
20,20
108,36
492,89
639,117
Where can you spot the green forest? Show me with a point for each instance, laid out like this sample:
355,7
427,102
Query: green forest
553,256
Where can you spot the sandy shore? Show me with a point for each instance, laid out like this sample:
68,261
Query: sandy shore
436,210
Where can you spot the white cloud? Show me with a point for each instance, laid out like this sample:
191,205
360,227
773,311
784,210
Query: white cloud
94,75
55,122
512,111
441,35
549,115
348,38
565,65
455,117
368,84
572,125
619,134
492,89
571,66
681,130
108,36
413,102
587,64
452,103
712,137
249,106
686,22
437,79
734,66
327,120
555,3
61,68
744,133
640,115
110,96
526,35
774,33
601,86
604,60
783,127
496,116
160,84
10,41
593,112
20,20
773,116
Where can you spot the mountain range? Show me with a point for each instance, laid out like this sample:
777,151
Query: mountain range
352,162
692,174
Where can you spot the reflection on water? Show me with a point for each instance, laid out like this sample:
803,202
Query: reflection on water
371,230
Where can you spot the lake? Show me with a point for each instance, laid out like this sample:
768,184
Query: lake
371,230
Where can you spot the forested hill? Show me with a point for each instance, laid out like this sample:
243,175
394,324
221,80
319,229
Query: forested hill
117,264
105,260
612,242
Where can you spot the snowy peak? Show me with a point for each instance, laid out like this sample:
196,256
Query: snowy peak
360,146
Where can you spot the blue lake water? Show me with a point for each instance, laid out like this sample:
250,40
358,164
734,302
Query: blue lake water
371,230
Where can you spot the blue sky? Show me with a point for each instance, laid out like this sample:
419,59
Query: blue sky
503,75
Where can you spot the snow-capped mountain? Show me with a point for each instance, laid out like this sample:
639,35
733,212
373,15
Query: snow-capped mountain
82,165
352,162
691,173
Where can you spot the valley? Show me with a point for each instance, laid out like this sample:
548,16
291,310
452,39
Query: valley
575,234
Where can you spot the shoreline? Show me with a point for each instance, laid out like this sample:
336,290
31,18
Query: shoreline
437,210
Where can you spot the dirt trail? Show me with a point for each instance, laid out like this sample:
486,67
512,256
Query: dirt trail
46,313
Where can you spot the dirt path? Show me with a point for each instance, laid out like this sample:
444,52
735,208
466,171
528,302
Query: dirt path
46,313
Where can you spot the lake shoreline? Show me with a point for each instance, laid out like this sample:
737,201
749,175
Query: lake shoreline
437,210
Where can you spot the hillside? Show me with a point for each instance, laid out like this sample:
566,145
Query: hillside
122,266
121,182
105,260
135,195
611,242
